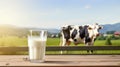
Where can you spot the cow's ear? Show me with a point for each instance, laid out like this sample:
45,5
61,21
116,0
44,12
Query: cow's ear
96,24
80,27
90,28
64,28
100,27
69,27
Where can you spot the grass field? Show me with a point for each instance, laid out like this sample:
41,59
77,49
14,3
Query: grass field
16,41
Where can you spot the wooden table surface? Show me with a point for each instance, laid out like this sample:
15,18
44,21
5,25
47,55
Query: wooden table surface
62,60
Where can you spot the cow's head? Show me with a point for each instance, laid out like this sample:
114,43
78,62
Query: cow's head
93,30
66,31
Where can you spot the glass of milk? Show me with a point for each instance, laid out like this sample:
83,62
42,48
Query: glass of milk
37,44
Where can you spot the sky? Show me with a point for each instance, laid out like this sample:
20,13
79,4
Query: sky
56,13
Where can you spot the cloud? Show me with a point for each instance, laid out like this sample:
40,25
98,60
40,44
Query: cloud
58,11
87,7
46,13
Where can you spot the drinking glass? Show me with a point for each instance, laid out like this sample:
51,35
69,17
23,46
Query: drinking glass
37,45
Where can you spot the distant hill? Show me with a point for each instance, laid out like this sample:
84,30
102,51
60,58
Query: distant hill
19,31
106,27
51,30
11,30
110,27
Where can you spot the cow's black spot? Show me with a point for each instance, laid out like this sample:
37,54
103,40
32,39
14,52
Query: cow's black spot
66,33
95,39
86,31
83,32
80,27
87,39
74,33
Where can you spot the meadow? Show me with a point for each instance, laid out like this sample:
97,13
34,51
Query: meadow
22,41
13,41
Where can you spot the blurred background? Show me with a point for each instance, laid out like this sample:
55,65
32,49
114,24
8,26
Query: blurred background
17,17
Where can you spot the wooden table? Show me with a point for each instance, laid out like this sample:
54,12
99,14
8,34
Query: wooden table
63,60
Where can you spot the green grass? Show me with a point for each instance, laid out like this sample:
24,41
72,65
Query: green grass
116,42
53,41
13,41
16,41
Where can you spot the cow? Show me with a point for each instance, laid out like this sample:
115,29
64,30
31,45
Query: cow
85,34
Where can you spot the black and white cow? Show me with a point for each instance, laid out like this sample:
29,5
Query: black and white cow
79,34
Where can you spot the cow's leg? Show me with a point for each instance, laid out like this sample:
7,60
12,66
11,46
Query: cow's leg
91,44
87,45
88,51
67,44
62,42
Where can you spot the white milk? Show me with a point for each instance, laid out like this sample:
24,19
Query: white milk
36,49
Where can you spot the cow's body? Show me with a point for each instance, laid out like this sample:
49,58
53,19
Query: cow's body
79,34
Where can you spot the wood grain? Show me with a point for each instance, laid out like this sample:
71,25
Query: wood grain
63,60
